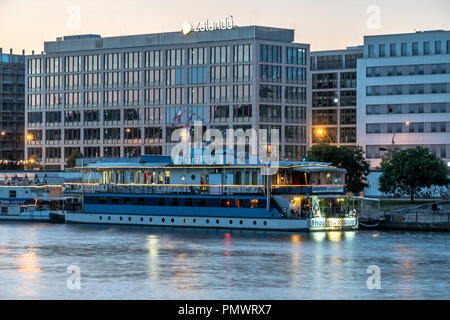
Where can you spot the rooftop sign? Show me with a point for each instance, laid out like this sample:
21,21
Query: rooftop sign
207,25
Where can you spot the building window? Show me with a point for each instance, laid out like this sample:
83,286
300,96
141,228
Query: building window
196,56
197,75
111,61
174,76
242,53
382,50
153,59
348,116
415,48
404,49
392,50
269,113
295,115
220,114
219,54
243,92
242,113
298,56
175,57
132,60
270,53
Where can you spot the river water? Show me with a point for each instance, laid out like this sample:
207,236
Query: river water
45,261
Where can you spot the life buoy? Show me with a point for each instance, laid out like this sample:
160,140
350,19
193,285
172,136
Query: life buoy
315,210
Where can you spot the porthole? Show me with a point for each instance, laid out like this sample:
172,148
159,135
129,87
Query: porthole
265,223
207,220
151,219
142,219
120,218
129,218
254,222
173,220
185,220
195,220
231,221
217,221
109,218
163,220
240,221
193,177
100,217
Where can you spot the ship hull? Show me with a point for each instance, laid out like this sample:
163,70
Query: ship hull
271,224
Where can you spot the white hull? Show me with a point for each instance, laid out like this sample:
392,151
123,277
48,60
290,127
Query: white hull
190,221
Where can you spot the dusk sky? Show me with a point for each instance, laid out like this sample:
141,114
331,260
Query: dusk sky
325,24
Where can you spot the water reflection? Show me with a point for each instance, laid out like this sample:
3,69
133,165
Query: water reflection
334,236
318,236
407,270
151,263
153,251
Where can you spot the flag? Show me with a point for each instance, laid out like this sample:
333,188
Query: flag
177,118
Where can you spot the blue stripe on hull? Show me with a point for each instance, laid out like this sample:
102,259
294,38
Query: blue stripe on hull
182,211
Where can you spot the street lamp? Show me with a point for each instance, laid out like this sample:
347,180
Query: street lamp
320,132
407,123
391,149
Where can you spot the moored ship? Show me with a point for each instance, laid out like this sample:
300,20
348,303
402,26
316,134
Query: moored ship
154,191
29,196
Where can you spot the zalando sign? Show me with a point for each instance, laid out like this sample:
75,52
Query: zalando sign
207,25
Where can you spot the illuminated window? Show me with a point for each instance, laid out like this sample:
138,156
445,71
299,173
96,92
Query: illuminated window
254,203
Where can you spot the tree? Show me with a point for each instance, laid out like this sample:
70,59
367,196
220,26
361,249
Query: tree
350,158
71,160
409,170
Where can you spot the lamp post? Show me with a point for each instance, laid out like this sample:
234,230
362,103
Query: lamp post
391,149
320,132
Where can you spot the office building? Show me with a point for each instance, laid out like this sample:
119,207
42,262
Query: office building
12,95
119,96
333,79
403,94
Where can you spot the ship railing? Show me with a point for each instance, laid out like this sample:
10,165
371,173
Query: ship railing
155,188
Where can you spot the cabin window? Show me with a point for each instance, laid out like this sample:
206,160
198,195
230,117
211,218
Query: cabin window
12,193
254,178
102,200
140,201
193,177
174,202
4,210
167,175
247,178
188,202
202,203
115,201
238,203
161,202
237,178
128,200
254,203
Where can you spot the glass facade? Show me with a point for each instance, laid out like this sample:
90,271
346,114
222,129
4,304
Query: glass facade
133,97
